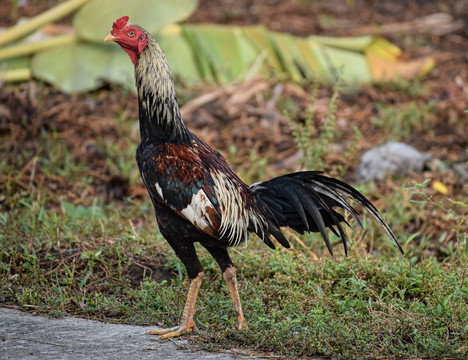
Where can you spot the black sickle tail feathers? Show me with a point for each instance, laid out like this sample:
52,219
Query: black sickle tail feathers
304,201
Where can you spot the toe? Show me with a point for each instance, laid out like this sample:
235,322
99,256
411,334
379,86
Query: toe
163,331
175,331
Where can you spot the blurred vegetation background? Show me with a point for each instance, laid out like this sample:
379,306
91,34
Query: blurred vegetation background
268,84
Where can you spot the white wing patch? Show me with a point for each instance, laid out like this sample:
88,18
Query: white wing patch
196,212
200,212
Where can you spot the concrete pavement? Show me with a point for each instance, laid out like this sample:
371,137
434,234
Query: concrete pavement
26,336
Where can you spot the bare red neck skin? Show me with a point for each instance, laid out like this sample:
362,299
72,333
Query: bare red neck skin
131,52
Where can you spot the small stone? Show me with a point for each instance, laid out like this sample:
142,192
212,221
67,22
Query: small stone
392,158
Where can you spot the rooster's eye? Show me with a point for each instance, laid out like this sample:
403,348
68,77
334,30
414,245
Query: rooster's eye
131,33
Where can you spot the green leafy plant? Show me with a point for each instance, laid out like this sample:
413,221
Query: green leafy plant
451,208
314,150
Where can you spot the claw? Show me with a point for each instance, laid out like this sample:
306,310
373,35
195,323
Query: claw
163,331
174,331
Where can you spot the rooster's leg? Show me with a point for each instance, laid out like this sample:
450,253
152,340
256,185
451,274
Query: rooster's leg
187,323
229,275
224,261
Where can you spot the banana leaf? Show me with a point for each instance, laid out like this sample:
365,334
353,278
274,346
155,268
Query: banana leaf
179,54
348,65
223,54
83,67
290,55
311,61
263,41
94,20
196,52
384,64
356,43
223,51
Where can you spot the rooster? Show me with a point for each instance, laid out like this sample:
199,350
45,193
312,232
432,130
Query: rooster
198,198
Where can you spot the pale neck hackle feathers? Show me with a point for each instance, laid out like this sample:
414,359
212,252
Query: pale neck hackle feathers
158,108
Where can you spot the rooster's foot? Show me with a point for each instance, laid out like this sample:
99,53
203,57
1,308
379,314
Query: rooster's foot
175,331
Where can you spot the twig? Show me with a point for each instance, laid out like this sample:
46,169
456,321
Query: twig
199,101
436,24
268,117
38,341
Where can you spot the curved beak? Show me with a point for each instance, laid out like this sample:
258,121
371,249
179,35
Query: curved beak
110,37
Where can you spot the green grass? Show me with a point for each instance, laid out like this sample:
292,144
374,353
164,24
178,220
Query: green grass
100,259
401,122
77,261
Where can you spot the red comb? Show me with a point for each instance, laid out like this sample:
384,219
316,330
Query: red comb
119,24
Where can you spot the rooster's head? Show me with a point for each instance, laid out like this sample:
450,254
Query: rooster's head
132,38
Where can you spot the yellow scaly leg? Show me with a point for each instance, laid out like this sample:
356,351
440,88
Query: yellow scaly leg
187,323
229,275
